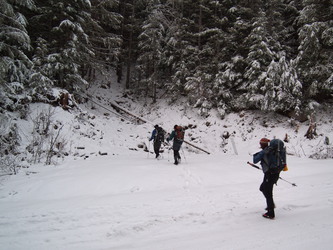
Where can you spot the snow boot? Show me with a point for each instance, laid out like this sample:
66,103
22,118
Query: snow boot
268,216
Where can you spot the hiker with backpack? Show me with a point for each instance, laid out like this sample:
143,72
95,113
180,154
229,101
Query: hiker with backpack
178,137
272,158
158,137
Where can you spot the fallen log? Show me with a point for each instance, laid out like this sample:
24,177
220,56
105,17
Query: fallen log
197,147
127,112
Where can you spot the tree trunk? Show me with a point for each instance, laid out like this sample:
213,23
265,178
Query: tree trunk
200,26
154,81
129,58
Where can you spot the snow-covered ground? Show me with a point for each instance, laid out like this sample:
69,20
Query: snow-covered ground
129,200
134,202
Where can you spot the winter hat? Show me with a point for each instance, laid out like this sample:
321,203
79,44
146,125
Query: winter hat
264,142
156,126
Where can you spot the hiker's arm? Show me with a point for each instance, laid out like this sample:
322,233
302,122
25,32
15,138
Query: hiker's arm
258,156
171,136
153,135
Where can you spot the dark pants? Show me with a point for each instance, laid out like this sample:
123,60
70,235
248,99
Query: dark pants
266,188
157,146
176,147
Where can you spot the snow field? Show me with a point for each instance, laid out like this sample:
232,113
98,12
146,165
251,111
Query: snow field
207,202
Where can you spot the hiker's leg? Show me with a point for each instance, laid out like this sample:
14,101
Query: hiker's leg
271,180
175,155
266,188
157,146
156,149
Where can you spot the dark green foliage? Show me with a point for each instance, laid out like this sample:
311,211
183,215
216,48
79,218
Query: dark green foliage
230,54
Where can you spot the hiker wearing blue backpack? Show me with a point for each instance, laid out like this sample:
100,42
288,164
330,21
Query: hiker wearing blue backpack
158,137
178,138
271,174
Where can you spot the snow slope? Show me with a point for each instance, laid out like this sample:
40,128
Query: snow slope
129,200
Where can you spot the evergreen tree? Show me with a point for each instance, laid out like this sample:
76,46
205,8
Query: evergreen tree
288,36
235,22
282,89
204,42
133,17
103,31
315,56
60,29
178,55
150,48
259,57
15,65
264,49
225,85
228,54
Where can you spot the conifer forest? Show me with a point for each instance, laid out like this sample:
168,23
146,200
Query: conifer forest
228,55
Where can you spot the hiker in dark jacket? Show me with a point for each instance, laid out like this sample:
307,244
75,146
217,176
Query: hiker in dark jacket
270,178
158,137
177,142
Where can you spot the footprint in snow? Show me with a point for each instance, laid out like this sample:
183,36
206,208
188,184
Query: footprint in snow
135,189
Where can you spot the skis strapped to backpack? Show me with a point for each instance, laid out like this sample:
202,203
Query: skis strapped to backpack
180,132
276,156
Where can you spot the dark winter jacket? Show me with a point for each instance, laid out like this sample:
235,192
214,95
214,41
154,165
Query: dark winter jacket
176,143
171,136
157,135
261,156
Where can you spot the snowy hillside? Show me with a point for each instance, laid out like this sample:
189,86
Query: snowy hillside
246,128
109,193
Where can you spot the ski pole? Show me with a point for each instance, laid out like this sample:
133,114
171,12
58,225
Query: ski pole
169,148
184,154
253,165
168,154
257,167
148,148
288,182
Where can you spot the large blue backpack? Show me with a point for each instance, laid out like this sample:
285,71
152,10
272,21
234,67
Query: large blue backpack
275,156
